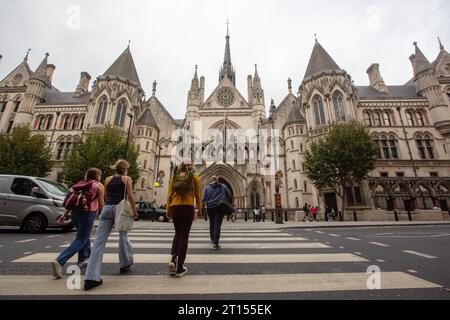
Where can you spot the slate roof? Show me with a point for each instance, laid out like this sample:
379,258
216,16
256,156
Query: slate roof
147,119
124,67
395,92
320,61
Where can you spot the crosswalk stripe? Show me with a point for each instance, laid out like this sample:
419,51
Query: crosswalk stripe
207,239
214,258
25,241
205,231
379,244
212,284
423,255
171,234
288,245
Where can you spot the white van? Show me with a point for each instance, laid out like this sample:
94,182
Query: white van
32,203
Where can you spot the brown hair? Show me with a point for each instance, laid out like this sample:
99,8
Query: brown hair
93,174
121,166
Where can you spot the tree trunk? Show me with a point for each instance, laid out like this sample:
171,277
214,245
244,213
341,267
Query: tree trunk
343,202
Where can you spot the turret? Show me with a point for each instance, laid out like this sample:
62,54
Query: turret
257,100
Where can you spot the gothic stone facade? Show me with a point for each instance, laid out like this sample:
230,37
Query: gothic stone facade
410,122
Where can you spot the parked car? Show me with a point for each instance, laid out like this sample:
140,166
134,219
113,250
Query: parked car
33,204
148,211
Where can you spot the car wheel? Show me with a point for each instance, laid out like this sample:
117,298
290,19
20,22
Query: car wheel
35,223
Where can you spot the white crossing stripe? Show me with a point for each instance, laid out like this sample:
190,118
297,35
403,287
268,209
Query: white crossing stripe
206,231
320,232
423,255
379,244
334,235
212,284
25,241
353,239
207,239
214,258
197,234
288,245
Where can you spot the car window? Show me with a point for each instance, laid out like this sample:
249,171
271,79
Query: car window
22,186
3,183
54,187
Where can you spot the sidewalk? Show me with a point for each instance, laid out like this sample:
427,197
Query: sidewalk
250,225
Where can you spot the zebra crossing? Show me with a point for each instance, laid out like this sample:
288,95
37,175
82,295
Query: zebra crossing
250,262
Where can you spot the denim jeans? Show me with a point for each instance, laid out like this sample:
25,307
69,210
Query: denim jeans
106,223
216,216
83,222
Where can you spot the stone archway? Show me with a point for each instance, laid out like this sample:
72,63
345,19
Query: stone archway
235,181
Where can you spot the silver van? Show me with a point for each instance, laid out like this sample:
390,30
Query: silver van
32,203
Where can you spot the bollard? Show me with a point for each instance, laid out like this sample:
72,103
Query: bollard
355,217
340,216
396,215
409,215
246,216
273,216
286,216
326,216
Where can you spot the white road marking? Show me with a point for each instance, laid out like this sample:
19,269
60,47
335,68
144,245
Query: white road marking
1,246
334,235
341,247
412,271
27,253
320,232
262,245
54,236
207,239
197,235
380,260
353,239
379,244
48,247
25,241
216,258
440,235
423,255
358,253
212,284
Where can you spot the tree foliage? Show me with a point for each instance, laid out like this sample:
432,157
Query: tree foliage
22,153
100,150
344,156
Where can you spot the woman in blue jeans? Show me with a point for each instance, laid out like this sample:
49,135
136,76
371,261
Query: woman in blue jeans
117,187
83,222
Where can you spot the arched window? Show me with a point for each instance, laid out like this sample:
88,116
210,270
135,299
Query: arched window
295,184
66,122
387,119
297,203
69,147
377,120
420,119
75,122
121,113
425,145
16,105
49,123
101,112
388,147
367,118
143,184
3,104
82,121
60,152
410,118
393,147
305,185
318,110
339,109
40,122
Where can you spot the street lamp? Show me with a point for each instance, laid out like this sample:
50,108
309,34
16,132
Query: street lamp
54,128
278,206
130,115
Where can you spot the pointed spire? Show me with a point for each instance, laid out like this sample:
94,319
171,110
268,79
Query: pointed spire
26,56
320,61
256,77
196,75
41,71
195,83
124,67
272,105
441,46
154,87
227,68
420,61
295,115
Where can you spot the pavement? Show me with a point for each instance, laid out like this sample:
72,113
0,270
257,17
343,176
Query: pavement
258,261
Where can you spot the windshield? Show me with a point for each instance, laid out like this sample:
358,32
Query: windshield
54,187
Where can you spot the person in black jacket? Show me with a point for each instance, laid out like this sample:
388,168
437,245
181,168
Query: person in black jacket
215,196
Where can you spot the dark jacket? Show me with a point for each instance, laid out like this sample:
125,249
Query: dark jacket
214,193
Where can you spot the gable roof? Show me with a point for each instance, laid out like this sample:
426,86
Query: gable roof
320,61
295,116
22,66
146,119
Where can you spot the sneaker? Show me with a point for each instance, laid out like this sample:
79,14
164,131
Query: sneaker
125,270
91,284
57,270
216,247
83,264
182,272
173,266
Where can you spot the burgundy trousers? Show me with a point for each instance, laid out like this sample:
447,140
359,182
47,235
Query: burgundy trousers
183,217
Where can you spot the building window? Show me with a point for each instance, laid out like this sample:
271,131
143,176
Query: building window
145,164
293,164
2,106
75,122
295,184
420,119
377,119
16,105
367,119
66,122
82,121
102,108
393,147
147,145
434,174
49,123
410,118
143,184
400,174
292,145
339,108
388,147
425,145
10,126
40,122
297,203
384,174
60,153
318,110
387,119
121,113
301,147
305,186
354,195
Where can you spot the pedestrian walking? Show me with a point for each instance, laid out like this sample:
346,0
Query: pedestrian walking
333,214
184,189
217,199
263,213
117,188
314,213
306,210
90,198
256,215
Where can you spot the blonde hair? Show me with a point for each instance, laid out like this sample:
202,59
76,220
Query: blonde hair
121,166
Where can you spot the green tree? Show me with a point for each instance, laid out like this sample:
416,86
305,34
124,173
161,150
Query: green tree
22,153
100,150
345,155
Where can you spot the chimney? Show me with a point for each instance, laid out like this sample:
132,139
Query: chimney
412,58
376,81
83,85
50,69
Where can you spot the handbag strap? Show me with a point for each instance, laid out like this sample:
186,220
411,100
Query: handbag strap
125,189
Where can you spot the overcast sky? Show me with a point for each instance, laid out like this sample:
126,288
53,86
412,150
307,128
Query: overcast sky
168,38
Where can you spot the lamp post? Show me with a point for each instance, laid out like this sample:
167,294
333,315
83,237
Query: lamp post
278,206
130,115
407,142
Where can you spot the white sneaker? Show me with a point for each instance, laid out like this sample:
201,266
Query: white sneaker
57,270
83,264
182,272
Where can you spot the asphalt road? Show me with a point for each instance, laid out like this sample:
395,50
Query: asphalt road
419,252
